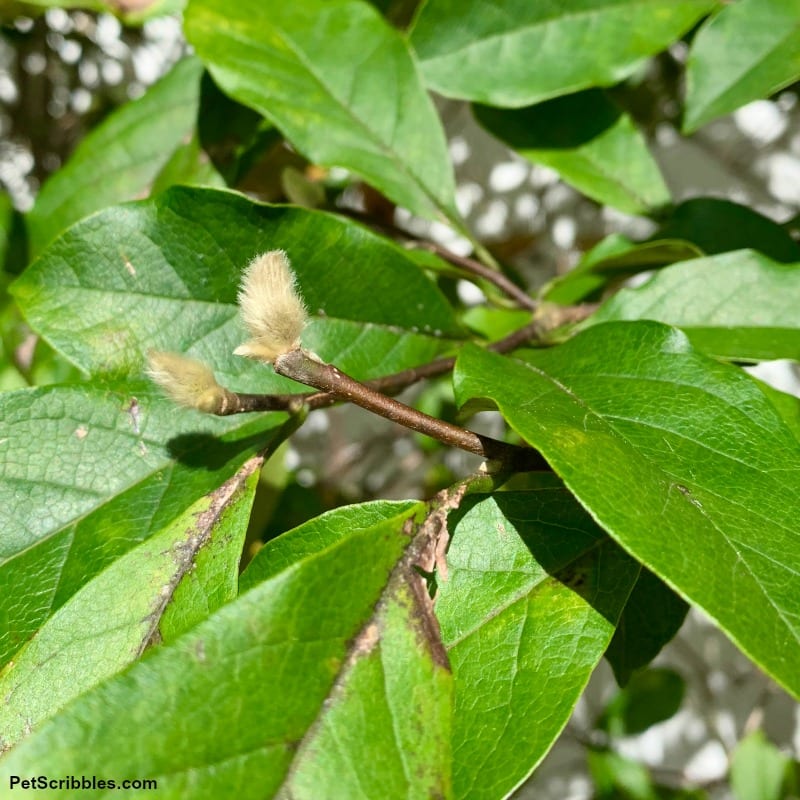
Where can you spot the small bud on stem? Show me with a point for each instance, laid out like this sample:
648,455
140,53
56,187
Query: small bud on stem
186,381
272,310
190,383
275,316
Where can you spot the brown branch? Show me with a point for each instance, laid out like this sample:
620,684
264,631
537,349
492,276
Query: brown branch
299,366
397,381
534,330
471,265
493,276
241,403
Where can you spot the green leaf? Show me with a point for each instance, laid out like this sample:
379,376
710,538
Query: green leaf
89,471
340,83
651,617
120,158
317,534
787,406
495,323
515,53
740,306
234,136
650,697
590,143
113,618
721,78
614,258
188,165
717,226
533,594
329,679
680,458
217,534
130,13
164,274
619,778
757,769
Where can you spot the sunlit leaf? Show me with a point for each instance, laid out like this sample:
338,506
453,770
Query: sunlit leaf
368,112
109,622
514,52
682,459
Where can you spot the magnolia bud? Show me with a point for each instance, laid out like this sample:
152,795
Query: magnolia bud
272,310
186,381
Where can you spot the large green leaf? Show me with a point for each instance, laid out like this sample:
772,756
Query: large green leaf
120,158
301,687
765,58
341,85
681,458
590,142
515,52
109,622
164,274
533,594
740,305
89,471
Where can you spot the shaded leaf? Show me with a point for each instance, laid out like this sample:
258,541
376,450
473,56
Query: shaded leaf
717,226
188,165
651,617
589,142
89,471
614,258
108,623
306,647
741,305
650,697
234,136
164,274
514,53
121,157
682,459
368,112
533,594
721,78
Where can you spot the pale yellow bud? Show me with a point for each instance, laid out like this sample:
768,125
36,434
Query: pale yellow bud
186,381
272,310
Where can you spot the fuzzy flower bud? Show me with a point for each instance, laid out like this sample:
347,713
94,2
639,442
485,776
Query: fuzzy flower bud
186,381
272,310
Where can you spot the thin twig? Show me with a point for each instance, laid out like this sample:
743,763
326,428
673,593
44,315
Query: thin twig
299,366
471,265
241,402
493,276
397,381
